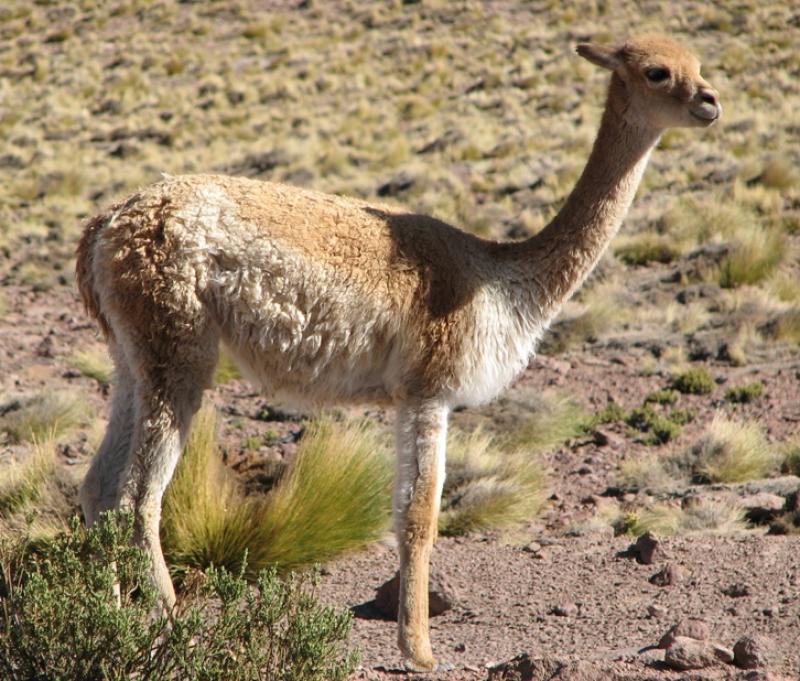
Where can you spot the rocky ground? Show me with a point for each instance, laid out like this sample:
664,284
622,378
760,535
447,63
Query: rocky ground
564,591
480,113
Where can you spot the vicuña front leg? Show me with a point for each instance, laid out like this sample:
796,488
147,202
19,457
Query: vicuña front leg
421,434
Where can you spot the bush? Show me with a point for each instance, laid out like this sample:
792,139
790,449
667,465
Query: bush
61,618
659,427
697,381
745,393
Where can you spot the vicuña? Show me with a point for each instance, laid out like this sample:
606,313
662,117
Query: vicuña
328,299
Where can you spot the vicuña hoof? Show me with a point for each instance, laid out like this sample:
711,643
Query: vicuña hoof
428,666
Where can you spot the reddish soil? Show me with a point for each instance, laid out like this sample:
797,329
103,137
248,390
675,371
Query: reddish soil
507,591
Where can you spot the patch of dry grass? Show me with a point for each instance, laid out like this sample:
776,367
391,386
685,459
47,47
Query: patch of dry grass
487,486
733,451
700,517
46,415
95,364
333,498
553,419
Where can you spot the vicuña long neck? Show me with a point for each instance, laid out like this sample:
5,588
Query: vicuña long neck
557,260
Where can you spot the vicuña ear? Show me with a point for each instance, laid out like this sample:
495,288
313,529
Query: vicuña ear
603,55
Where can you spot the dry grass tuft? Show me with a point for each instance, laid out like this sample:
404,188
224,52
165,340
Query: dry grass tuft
701,517
733,451
488,487
552,421
95,364
36,493
333,498
47,415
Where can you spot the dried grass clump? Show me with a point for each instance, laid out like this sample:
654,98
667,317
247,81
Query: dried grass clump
44,416
95,364
754,256
36,493
488,487
733,451
552,421
332,499
701,517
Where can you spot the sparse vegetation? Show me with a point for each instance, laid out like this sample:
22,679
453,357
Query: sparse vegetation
659,427
700,517
95,364
729,451
748,392
694,381
553,420
488,487
59,618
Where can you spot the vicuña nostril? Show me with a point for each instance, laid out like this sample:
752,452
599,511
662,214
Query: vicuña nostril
708,97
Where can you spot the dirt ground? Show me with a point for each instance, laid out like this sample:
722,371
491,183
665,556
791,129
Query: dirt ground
561,589
479,113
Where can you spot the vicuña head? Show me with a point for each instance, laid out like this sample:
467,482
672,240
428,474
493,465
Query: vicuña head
656,82
323,298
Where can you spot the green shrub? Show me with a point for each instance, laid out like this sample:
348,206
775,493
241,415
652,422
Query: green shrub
61,618
658,427
608,414
695,381
745,393
665,396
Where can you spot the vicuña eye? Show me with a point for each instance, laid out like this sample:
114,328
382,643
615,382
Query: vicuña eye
656,75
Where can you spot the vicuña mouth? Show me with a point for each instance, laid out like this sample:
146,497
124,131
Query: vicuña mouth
705,117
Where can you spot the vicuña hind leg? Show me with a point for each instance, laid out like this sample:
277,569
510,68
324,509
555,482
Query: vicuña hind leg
421,434
100,488
168,393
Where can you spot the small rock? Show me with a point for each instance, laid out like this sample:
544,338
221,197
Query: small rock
669,576
565,610
763,507
690,627
648,548
533,547
689,653
441,595
752,652
737,590
656,611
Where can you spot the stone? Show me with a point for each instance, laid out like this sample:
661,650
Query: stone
565,610
656,611
648,548
752,652
669,575
763,507
442,596
691,627
689,653
737,590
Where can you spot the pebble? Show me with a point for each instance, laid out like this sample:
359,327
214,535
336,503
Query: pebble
752,652
669,576
690,627
656,611
648,548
